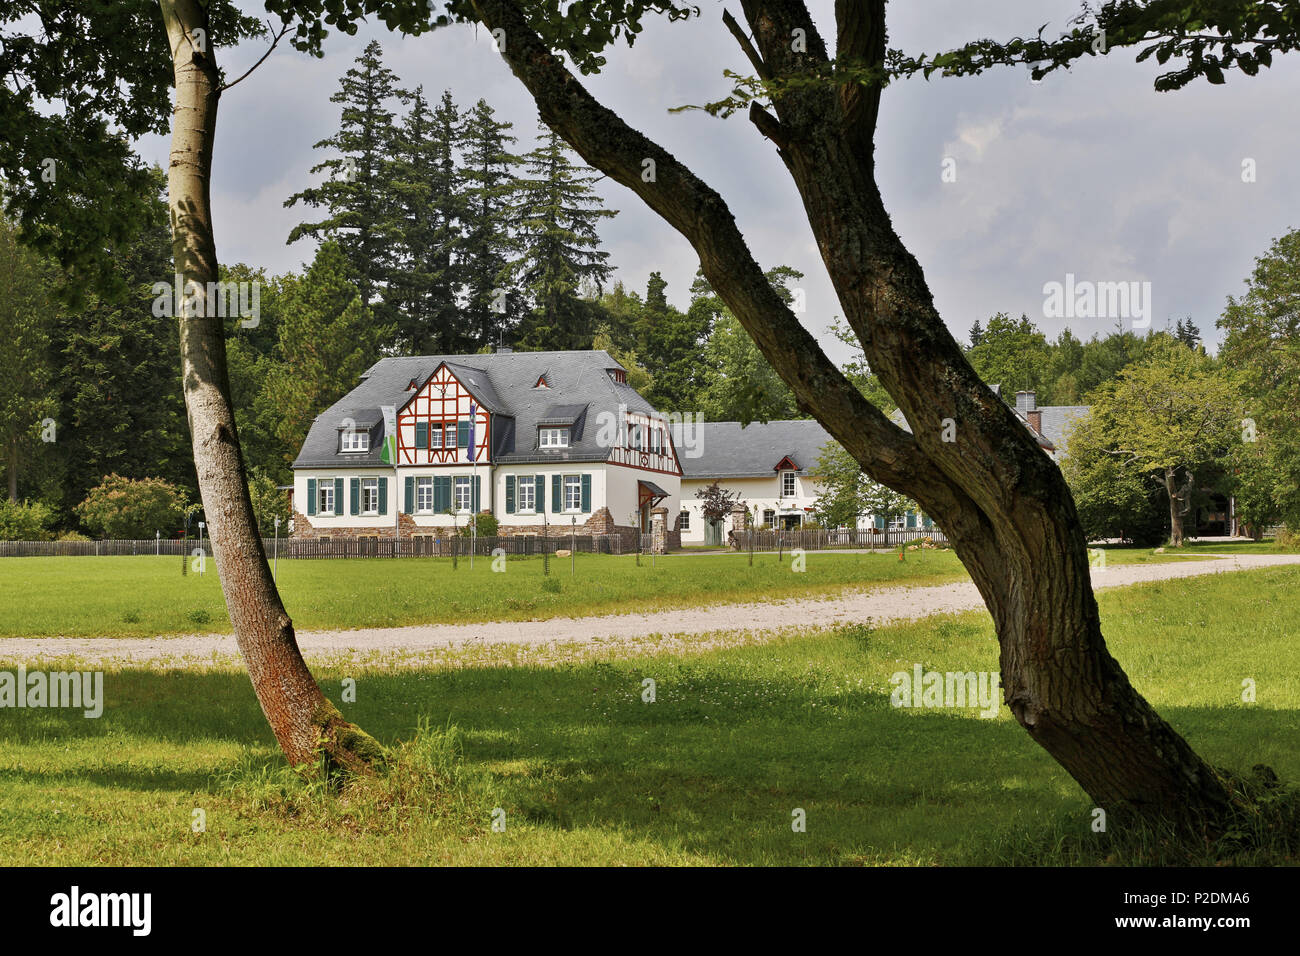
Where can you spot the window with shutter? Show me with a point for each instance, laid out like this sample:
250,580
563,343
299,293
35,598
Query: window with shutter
336,505
408,495
510,494
356,496
539,488
462,434
557,499
421,434
586,494
311,496
383,495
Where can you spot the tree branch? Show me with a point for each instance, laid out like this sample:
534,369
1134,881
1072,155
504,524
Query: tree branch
888,453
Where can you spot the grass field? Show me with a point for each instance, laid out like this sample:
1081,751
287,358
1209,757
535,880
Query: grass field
147,596
711,772
144,596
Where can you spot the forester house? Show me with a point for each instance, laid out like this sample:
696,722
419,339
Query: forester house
534,438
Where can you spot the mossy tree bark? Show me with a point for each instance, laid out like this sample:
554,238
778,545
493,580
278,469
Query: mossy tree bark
967,460
306,725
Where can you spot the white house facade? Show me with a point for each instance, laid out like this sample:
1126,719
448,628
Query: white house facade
540,440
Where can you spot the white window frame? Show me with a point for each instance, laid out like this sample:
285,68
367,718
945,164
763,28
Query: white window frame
794,487
325,487
897,523
354,440
423,494
369,486
684,521
525,486
553,438
572,483
770,522
435,429
468,485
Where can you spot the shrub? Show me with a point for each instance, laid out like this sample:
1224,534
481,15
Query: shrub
24,521
486,526
1286,540
123,508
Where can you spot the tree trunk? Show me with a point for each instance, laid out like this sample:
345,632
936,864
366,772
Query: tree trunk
1003,503
1175,512
304,722
13,470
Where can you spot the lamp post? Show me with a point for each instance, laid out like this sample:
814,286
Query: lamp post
157,543
202,525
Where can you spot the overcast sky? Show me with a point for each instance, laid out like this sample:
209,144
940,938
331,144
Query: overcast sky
1089,173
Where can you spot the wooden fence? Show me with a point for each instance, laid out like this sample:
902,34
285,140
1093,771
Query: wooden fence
377,547
823,539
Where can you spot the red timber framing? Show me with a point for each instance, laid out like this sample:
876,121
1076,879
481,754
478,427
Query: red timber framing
635,447
786,464
440,402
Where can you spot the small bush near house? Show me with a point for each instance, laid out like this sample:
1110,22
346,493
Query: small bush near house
486,526
124,508
1286,540
25,521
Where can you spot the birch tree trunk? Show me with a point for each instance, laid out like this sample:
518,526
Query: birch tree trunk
304,722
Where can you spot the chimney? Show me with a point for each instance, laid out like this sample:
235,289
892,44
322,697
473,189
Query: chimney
1026,402
1035,419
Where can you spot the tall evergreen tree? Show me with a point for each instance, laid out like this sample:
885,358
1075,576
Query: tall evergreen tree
672,342
494,306
356,195
555,213
429,194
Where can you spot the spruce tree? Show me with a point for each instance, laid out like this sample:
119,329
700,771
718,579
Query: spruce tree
356,195
555,216
428,192
493,304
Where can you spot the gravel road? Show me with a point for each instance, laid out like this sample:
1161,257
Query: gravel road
882,605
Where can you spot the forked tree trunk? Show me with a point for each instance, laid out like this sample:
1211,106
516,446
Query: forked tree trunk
304,722
968,461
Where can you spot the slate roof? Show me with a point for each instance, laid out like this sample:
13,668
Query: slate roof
1058,422
504,383
730,450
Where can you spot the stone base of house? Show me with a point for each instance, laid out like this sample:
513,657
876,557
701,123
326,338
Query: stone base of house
600,523
303,528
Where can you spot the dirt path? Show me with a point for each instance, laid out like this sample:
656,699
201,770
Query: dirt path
882,606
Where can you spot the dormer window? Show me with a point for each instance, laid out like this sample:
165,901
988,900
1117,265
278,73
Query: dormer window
553,437
352,440
617,375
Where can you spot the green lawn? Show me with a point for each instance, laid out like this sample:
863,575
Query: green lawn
586,772
146,596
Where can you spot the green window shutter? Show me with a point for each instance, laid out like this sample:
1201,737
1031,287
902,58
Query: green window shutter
474,493
383,495
510,494
338,496
356,496
586,494
441,493
539,494
311,496
421,434
462,434
408,492
880,522
557,494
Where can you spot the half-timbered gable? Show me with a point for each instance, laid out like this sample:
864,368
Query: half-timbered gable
435,425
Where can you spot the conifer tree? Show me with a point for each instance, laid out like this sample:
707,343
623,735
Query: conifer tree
429,193
555,214
356,194
493,304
